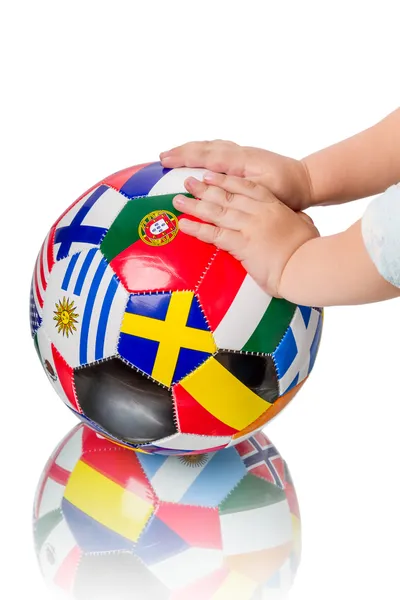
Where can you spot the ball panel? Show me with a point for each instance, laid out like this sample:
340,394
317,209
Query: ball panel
241,315
148,252
118,179
224,395
199,480
295,356
57,370
86,223
262,459
165,335
83,308
124,402
256,372
192,417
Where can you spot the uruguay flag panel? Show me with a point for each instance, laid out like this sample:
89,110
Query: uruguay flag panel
84,301
87,221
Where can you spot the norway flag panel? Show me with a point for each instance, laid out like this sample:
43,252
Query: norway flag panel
86,223
83,308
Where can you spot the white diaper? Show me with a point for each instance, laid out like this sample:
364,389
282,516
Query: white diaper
381,232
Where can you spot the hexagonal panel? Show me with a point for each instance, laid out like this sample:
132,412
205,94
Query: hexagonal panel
199,480
241,315
148,252
165,335
83,308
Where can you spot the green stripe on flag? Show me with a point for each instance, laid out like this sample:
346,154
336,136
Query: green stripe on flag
36,343
45,525
125,229
272,327
252,492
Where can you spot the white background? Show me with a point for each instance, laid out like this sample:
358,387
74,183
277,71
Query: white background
92,87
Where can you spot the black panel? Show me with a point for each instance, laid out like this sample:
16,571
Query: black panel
257,372
124,402
117,577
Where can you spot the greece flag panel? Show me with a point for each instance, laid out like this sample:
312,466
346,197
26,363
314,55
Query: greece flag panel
84,306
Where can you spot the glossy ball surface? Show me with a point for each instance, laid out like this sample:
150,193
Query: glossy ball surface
154,338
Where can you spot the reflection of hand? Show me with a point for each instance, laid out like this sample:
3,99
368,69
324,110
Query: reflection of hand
247,220
285,177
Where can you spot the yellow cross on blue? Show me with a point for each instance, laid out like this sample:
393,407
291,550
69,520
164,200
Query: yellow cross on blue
165,335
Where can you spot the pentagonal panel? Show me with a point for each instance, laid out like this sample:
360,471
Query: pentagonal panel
124,403
256,372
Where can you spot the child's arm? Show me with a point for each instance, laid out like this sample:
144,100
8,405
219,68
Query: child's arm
281,249
334,270
360,166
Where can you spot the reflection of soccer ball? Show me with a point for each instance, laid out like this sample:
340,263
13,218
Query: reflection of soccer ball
111,523
154,338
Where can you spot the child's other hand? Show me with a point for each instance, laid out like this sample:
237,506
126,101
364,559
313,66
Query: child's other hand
247,220
285,177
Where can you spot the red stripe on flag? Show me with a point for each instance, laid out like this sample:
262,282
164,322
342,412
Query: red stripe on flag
292,499
219,287
118,179
65,375
50,249
35,280
65,576
49,466
42,277
206,588
198,526
121,466
58,474
194,418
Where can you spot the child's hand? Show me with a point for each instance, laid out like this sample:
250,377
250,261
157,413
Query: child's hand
248,221
285,177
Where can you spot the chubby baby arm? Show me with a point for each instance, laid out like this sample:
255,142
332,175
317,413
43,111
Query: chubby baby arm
358,266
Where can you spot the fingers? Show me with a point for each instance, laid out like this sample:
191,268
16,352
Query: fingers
225,239
239,186
212,212
218,155
217,195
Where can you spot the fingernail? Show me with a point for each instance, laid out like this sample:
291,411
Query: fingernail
187,226
191,181
179,200
208,176
164,154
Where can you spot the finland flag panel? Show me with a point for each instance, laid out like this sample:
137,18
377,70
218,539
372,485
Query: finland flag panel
83,309
87,222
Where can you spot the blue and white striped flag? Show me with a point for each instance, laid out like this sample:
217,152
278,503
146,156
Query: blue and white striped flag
83,309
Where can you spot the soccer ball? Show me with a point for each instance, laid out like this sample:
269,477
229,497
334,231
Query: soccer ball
158,340
112,523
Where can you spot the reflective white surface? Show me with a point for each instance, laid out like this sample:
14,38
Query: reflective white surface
89,88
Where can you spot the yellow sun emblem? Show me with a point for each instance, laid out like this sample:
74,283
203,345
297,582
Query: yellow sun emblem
66,317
